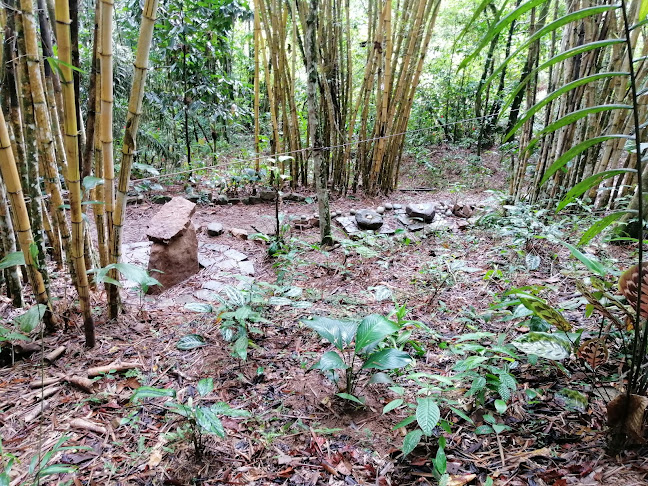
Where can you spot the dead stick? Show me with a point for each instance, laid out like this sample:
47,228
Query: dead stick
117,366
50,380
81,382
85,425
56,354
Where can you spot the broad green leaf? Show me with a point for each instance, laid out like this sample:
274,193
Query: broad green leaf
190,341
130,272
556,94
440,461
242,313
570,118
588,183
500,406
548,313
382,378
427,414
499,428
392,405
235,296
240,348
150,392
279,301
545,345
387,359
532,261
555,60
551,27
643,9
484,429
574,152
209,422
339,333
205,386
330,361
302,304
461,414
599,226
223,408
90,182
4,478
352,398
405,422
498,27
12,260
571,400
372,330
592,265
30,319
199,307
411,440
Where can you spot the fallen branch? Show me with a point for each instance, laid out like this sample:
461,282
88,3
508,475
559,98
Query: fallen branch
117,367
86,425
56,354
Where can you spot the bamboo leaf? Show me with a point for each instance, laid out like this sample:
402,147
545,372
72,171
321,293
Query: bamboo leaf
498,27
151,392
571,118
587,184
575,151
599,226
559,92
556,24
643,9
12,260
592,265
478,11
555,60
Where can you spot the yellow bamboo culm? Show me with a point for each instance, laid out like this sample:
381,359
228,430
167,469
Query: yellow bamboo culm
73,174
130,141
21,219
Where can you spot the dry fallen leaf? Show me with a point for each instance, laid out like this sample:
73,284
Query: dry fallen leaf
630,415
461,479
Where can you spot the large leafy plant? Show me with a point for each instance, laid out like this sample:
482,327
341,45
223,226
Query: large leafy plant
359,350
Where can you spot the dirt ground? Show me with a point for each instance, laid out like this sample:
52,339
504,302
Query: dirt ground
299,432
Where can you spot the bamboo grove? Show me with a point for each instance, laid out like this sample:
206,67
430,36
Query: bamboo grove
44,136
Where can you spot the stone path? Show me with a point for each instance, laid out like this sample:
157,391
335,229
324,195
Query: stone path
222,266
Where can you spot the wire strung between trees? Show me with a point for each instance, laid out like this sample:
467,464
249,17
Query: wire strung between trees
304,150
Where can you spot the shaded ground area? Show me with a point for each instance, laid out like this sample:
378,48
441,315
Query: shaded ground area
298,431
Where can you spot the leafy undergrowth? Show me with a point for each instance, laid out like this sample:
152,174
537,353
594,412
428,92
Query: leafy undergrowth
442,390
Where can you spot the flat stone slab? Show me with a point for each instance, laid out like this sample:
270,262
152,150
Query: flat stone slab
215,247
424,211
410,223
348,223
388,228
172,220
247,268
213,285
235,255
368,219
440,225
206,295
227,265
215,229
206,262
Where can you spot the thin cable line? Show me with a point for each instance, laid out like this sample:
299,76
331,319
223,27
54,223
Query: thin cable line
307,149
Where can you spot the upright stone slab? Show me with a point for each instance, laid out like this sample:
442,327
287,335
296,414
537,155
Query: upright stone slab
175,245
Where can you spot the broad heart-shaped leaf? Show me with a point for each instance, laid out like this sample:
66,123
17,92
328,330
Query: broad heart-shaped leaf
190,341
209,422
330,361
588,183
427,414
150,392
549,314
387,359
411,440
30,319
205,386
12,259
545,345
90,182
199,307
339,333
372,330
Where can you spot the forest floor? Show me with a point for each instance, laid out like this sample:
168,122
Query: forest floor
298,431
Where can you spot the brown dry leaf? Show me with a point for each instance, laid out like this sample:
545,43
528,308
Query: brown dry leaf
594,352
155,458
461,479
633,421
521,457
629,283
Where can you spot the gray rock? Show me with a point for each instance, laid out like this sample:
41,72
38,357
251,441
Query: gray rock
227,265
234,200
387,229
160,199
267,195
139,199
368,219
423,211
235,255
389,206
293,196
411,224
213,285
215,229
220,199
194,198
171,221
239,233
215,247
380,210
398,206
247,268
206,295
348,223
439,225
205,261
352,212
